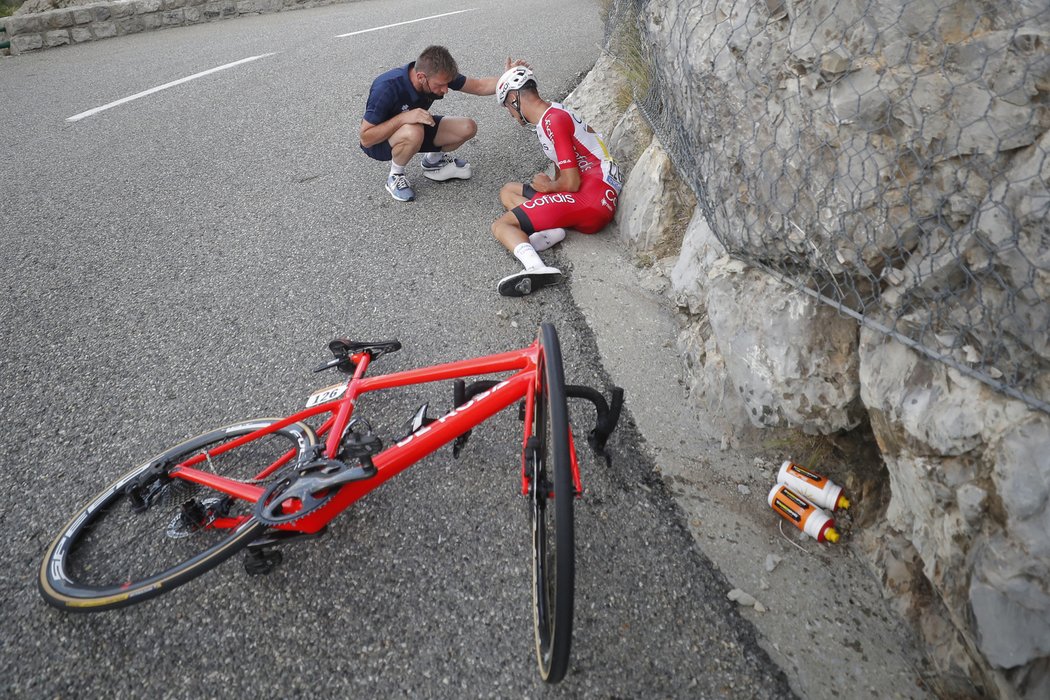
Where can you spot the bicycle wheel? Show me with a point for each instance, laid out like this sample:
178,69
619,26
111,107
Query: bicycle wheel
553,555
131,544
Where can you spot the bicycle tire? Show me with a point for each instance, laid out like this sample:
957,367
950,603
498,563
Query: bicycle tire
553,543
159,546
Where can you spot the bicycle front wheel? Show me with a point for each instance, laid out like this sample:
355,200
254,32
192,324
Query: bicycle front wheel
149,532
551,504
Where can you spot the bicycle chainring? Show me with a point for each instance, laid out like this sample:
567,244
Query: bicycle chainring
300,492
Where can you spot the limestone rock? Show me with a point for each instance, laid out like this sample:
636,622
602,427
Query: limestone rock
708,381
792,360
954,447
654,205
894,154
700,250
629,138
31,7
595,98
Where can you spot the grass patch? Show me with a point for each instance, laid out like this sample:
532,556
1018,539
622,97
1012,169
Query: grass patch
7,8
625,44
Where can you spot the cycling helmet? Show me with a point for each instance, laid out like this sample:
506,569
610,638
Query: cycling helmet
514,79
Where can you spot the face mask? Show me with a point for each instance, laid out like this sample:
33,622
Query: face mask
426,93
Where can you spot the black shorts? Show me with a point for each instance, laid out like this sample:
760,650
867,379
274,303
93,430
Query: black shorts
381,151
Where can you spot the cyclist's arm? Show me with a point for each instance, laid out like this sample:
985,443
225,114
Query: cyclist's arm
565,180
559,128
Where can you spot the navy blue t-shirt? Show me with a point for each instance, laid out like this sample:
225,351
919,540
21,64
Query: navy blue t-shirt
392,93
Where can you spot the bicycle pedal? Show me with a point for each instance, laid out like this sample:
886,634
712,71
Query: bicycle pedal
261,562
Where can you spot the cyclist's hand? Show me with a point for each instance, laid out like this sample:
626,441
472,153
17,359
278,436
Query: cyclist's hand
419,116
513,63
542,182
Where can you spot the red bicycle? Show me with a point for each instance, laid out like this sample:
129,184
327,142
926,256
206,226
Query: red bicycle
258,484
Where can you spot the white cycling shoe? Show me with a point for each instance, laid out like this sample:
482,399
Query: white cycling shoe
447,168
527,281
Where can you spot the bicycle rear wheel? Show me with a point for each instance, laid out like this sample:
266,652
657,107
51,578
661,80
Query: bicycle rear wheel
149,532
551,505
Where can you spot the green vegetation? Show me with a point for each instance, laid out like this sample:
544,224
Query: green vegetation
626,46
8,7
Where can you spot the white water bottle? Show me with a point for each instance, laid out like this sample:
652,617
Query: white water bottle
818,490
803,514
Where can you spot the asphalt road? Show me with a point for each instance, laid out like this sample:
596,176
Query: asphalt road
180,261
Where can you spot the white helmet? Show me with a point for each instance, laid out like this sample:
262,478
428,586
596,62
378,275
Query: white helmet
514,79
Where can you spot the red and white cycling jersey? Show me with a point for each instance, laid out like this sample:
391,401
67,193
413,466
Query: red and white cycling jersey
572,144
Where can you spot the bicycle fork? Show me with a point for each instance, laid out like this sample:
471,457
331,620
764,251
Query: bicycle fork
606,419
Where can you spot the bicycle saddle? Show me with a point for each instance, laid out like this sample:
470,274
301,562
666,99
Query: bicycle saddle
343,347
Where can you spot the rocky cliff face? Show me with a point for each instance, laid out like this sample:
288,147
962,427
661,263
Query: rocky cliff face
30,7
870,244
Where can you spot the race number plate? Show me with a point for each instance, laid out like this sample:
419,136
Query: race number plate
327,394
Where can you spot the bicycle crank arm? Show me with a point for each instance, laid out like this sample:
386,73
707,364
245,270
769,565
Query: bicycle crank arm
313,483
273,538
311,487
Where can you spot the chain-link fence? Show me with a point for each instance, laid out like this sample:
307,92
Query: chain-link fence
889,157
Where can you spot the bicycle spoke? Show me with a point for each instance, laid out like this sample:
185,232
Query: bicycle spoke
150,532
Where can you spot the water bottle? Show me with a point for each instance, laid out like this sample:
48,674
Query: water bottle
803,514
818,490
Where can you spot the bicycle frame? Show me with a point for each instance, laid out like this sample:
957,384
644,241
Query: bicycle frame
390,462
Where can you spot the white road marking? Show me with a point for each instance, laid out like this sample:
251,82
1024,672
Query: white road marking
96,110
398,24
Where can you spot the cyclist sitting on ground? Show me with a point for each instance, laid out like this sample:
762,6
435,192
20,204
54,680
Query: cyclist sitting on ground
582,195
397,123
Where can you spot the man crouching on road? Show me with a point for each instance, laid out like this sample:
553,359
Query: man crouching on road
582,195
398,124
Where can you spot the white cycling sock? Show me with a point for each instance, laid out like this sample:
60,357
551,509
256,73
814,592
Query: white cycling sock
433,158
396,169
542,240
528,256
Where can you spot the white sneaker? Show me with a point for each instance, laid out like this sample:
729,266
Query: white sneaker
446,169
527,281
